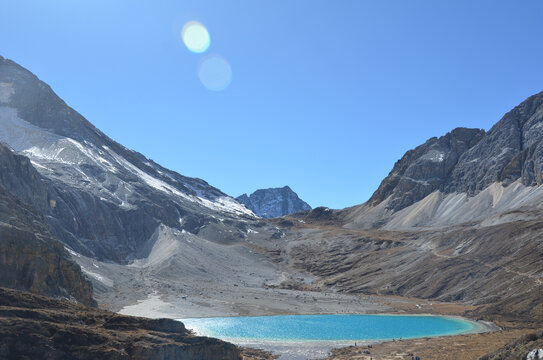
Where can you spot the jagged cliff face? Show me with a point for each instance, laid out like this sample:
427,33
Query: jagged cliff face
274,202
470,160
466,175
511,150
100,198
30,258
426,168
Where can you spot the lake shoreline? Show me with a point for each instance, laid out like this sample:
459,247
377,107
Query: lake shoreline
259,302
298,349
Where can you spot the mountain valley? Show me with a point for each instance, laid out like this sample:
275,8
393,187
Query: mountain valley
455,229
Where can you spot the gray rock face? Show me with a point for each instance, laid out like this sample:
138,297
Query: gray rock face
102,199
469,160
273,202
512,149
30,258
426,168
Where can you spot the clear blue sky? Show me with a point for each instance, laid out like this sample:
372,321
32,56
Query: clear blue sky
325,95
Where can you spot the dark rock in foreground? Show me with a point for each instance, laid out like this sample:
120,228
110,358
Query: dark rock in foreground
273,202
36,327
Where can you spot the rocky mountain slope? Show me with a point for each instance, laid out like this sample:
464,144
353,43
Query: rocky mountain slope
30,258
497,265
427,168
137,230
60,178
470,160
100,198
463,176
457,219
273,202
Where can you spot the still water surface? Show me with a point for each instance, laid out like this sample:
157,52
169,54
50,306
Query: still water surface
289,328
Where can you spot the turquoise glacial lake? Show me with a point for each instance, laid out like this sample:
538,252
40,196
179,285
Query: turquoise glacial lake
287,328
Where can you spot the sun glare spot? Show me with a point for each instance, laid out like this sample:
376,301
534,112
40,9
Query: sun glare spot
195,37
215,72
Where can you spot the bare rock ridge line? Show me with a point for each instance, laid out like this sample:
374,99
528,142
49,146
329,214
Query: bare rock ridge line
426,168
464,176
469,160
98,197
273,202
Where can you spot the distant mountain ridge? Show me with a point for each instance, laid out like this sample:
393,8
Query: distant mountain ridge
273,202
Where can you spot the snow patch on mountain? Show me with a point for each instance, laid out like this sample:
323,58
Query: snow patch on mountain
45,149
222,203
6,90
19,134
434,155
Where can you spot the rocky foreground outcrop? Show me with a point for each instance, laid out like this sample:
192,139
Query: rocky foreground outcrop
528,347
36,327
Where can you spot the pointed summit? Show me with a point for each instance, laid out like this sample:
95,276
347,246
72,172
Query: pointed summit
273,202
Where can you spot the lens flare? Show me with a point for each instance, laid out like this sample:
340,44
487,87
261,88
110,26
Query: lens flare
195,37
215,72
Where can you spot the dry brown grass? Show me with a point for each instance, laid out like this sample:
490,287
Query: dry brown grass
462,347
